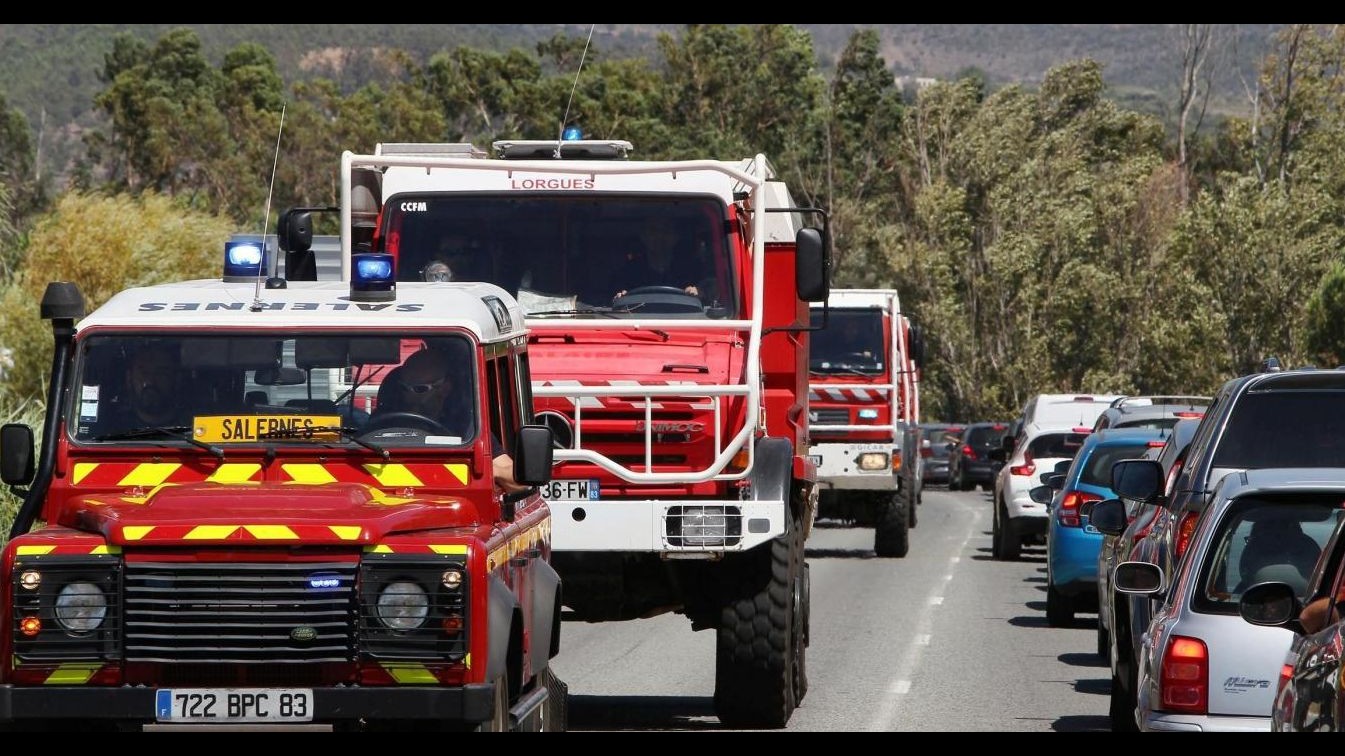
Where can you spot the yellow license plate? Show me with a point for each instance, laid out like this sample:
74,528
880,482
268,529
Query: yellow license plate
227,429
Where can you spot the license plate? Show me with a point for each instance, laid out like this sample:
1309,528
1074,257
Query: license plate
233,705
572,490
815,458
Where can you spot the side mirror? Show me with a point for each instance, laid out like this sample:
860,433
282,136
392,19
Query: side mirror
1055,481
918,346
17,466
812,269
1269,604
1138,479
1139,578
1063,465
1041,494
533,452
1108,516
950,446
1086,510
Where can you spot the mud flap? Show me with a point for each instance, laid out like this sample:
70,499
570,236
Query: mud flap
501,606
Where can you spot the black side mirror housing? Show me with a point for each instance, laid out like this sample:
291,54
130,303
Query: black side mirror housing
17,463
1108,516
1041,494
1137,479
1270,605
1055,481
533,452
812,269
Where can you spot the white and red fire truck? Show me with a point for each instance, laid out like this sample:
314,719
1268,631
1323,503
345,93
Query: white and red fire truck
215,533
676,382
864,409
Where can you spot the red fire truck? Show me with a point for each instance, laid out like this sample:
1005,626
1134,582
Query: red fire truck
864,409
215,533
674,375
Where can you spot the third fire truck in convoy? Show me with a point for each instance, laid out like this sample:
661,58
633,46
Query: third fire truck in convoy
674,376
864,409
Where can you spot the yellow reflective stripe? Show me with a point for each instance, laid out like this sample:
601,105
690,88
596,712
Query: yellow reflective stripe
411,674
346,532
209,532
105,549
379,549
389,501
392,475
459,471
135,532
308,473
234,473
449,548
72,674
31,550
271,532
81,470
149,474
467,660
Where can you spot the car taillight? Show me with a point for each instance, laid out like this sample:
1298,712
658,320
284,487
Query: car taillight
1068,512
926,452
1184,530
1189,414
1155,444
967,451
1184,683
1286,674
1027,468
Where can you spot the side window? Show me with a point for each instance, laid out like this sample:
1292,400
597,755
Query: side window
523,383
504,400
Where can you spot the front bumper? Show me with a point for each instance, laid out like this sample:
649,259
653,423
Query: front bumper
661,525
838,466
472,703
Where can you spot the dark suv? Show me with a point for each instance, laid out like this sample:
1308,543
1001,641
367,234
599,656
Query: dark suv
969,461
1281,418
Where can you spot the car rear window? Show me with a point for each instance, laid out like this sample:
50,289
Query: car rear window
1097,468
1284,429
1056,444
1265,538
1149,422
986,435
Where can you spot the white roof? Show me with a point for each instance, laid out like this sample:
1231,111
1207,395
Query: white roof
467,176
217,304
862,298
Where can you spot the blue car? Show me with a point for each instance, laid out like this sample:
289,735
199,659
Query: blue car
1072,545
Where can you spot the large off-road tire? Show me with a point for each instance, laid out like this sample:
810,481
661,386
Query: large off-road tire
757,663
1059,608
891,536
1008,544
556,710
911,513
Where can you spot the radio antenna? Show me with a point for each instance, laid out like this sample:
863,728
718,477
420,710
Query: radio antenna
257,303
561,136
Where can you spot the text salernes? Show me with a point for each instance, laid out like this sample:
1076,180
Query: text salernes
240,428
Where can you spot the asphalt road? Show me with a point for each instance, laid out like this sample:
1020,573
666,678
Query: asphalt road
945,639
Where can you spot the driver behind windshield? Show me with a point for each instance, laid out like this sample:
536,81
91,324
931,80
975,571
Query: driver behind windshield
660,259
150,396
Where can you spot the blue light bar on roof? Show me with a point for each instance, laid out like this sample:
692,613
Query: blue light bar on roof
244,260
572,134
373,277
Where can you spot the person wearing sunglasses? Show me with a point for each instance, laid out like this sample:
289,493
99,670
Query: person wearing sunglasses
423,385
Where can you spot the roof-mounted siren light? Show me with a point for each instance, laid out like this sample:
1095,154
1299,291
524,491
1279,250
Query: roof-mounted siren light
572,133
244,258
1271,365
373,277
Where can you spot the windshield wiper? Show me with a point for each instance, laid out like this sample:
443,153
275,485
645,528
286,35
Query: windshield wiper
606,312
182,432
844,371
347,434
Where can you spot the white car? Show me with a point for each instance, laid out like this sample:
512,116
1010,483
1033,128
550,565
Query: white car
1054,427
1201,666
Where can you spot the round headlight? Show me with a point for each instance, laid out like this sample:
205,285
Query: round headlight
81,607
403,605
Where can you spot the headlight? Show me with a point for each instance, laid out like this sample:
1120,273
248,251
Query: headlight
873,461
81,607
403,605
868,414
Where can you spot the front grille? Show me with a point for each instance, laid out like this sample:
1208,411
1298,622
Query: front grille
220,612
241,675
830,417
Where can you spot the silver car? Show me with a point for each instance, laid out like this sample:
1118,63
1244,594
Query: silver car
1201,667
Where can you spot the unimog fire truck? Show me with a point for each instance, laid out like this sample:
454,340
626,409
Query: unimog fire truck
864,410
215,530
679,398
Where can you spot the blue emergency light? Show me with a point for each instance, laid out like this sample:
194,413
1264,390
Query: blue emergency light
244,260
373,277
571,133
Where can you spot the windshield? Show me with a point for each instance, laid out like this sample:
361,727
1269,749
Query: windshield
220,389
575,255
851,342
